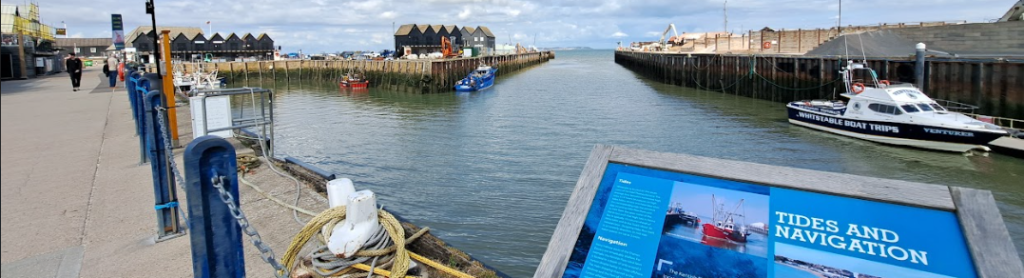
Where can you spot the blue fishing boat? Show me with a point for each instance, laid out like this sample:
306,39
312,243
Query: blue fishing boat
480,78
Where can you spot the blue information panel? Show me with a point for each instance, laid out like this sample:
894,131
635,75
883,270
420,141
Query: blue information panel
652,223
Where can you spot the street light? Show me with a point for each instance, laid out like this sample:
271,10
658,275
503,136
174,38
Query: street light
840,28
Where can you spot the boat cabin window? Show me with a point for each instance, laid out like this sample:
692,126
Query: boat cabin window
924,107
887,109
910,108
938,107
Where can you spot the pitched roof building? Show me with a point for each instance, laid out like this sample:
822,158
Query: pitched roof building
190,32
87,47
426,38
189,42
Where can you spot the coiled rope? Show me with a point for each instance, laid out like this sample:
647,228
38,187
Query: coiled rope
387,247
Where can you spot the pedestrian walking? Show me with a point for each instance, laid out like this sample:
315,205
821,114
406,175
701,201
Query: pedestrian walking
111,71
74,68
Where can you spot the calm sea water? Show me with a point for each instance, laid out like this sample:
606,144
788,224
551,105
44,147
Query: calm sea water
490,172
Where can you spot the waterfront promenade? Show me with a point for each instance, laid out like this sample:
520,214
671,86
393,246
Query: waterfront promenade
75,201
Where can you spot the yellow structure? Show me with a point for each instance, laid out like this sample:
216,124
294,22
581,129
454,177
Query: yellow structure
25,19
165,56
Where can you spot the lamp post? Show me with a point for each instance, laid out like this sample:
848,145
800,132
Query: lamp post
840,25
151,9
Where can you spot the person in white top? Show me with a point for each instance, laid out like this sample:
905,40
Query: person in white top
110,69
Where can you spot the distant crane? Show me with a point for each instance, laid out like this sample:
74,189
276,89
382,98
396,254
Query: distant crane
663,43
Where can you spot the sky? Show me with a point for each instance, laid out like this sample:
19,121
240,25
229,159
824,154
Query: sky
315,26
697,199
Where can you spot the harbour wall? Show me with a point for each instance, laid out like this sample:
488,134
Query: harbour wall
996,86
955,37
425,76
801,41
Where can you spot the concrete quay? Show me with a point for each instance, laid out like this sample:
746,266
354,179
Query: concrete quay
75,201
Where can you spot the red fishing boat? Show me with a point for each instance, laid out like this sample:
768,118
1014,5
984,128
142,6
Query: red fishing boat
724,226
353,81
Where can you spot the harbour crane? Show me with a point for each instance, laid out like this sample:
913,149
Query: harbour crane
447,49
675,34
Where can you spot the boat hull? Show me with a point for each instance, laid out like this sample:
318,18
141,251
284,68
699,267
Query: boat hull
354,85
479,84
681,219
910,135
715,232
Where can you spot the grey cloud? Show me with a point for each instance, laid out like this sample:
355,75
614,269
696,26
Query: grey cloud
328,25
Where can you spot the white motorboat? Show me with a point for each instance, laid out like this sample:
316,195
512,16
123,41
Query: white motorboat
896,114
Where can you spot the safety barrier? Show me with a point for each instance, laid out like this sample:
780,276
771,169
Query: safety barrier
216,223
216,237
149,111
132,82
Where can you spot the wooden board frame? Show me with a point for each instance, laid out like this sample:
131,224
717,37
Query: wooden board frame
986,236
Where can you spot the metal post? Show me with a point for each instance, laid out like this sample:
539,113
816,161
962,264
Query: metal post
919,66
263,118
163,181
216,237
168,79
137,87
270,140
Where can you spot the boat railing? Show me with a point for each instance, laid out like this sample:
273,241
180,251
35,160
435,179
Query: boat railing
956,106
1014,124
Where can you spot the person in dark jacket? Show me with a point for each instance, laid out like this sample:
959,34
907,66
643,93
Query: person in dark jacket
74,67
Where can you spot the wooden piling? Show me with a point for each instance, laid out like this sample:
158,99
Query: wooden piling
994,86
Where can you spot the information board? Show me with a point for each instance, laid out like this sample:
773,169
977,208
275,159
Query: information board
217,114
117,31
705,218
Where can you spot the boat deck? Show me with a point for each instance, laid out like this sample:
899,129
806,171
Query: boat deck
1009,145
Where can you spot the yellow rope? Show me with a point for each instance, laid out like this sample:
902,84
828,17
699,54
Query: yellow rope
394,228
309,231
438,266
386,273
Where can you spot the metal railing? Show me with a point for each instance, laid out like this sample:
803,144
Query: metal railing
258,114
999,121
956,106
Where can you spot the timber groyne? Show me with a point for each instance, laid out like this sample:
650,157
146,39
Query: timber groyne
996,86
426,76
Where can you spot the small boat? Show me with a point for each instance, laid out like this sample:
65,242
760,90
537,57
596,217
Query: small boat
677,216
896,114
354,81
480,78
725,227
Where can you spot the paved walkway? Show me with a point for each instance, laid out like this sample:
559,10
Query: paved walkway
75,201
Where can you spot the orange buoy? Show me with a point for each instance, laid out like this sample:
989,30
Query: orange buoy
857,88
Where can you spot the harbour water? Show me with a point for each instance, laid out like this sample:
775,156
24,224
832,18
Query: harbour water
490,172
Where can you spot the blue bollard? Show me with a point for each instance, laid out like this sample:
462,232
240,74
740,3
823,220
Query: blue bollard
168,225
131,83
216,237
141,89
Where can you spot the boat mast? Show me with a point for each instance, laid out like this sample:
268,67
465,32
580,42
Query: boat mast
730,214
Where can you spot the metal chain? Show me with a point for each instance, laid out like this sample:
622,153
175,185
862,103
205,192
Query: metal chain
167,145
169,150
266,253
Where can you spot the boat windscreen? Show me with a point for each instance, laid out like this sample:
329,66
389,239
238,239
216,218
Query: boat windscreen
925,107
910,108
938,107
